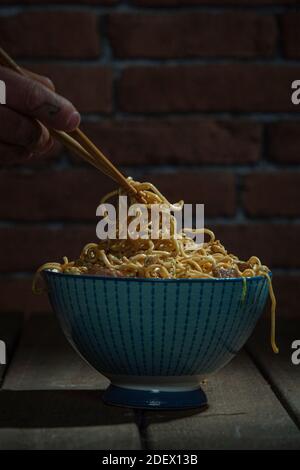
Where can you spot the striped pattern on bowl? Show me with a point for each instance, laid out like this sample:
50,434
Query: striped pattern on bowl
149,327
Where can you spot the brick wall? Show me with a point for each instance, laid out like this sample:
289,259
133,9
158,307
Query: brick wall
190,92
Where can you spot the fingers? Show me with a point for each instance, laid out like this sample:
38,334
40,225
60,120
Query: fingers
45,143
23,131
40,78
10,154
31,98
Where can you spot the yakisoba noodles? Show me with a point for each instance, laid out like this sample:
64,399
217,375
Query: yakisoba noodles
162,258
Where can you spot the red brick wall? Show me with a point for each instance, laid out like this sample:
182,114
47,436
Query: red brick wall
192,94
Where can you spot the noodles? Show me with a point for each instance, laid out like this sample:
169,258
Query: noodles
273,316
172,258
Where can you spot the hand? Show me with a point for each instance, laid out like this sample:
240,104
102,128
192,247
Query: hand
27,99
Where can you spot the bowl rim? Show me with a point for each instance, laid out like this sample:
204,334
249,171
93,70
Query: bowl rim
51,273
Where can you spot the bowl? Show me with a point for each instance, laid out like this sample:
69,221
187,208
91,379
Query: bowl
155,338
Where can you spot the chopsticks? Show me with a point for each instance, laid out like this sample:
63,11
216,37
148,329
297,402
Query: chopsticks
78,142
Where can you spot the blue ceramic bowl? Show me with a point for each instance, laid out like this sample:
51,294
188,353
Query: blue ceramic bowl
153,337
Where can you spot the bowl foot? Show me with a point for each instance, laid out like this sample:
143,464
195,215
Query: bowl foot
155,399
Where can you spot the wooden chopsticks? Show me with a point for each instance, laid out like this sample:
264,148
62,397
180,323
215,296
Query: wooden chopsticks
77,141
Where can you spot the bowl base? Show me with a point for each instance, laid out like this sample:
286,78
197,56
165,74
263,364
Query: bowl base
155,399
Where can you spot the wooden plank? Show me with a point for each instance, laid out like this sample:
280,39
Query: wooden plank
45,361
244,413
64,419
90,438
279,369
51,399
10,328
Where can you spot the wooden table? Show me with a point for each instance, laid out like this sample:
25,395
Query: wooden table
51,399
